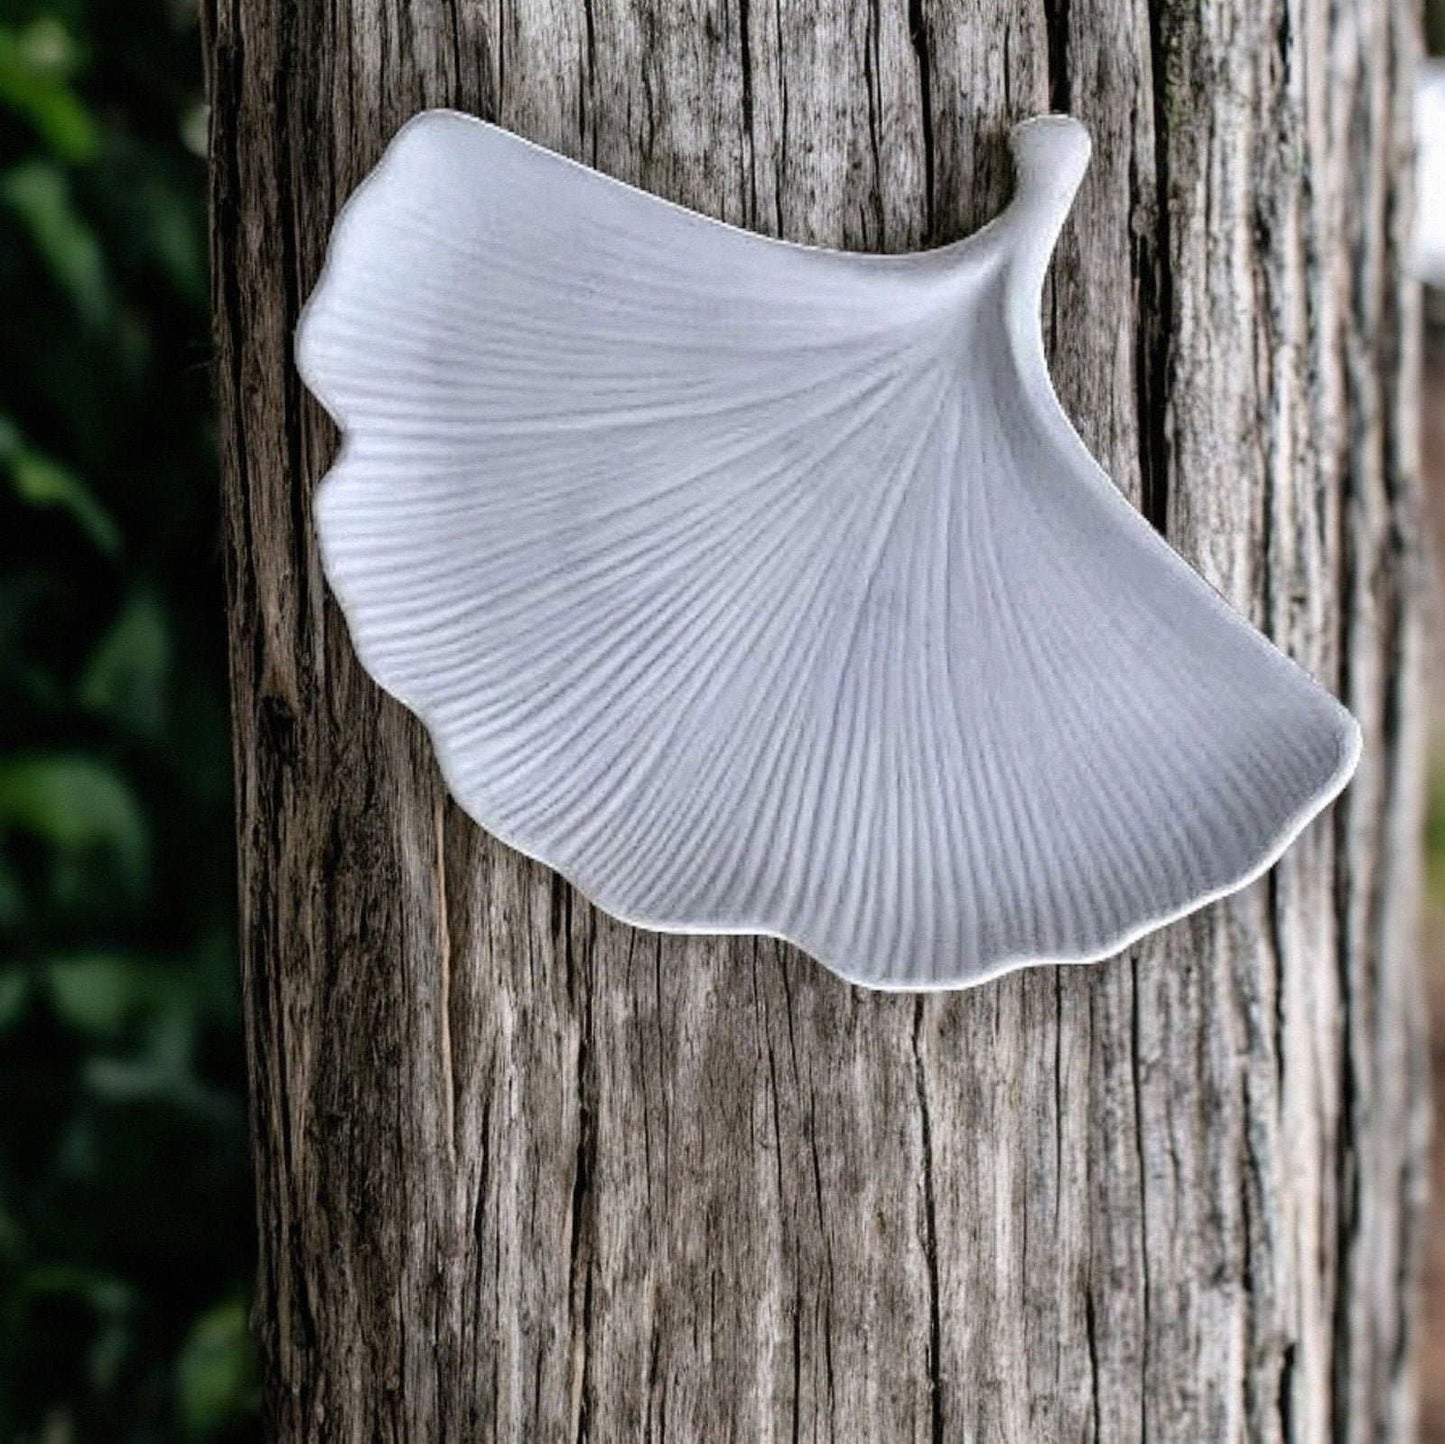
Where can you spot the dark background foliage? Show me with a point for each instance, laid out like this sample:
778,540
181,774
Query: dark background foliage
125,1223
125,1230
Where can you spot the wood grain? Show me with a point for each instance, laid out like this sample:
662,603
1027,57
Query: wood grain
526,1174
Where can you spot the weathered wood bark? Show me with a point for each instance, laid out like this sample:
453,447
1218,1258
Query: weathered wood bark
526,1174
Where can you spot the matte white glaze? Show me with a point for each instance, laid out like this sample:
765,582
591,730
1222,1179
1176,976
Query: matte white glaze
763,588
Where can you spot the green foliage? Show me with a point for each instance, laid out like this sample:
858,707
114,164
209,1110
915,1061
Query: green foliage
84,817
40,480
213,1374
37,61
125,1229
38,191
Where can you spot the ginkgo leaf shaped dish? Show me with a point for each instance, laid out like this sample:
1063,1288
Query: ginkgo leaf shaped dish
761,588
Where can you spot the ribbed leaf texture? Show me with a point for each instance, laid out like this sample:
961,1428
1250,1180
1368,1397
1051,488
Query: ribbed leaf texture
761,588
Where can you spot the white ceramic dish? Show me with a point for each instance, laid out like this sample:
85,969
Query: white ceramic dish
761,588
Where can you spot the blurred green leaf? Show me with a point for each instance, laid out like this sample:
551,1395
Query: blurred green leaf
95,993
36,64
39,194
76,804
215,1374
38,480
161,1079
100,993
125,679
102,1292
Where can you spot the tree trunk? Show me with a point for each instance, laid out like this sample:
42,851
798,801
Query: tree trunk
524,1173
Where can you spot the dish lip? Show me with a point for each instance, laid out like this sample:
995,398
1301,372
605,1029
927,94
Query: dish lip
1071,130
1284,836
1029,357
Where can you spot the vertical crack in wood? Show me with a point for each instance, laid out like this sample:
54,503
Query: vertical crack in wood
291,428
872,86
458,86
1274,935
1155,284
582,1223
1253,1191
1056,27
501,32
773,1094
1347,1182
781,149
1284,1394
745,58
587,91
823,1233
1136,1044
797,1356
1058,1099
444,984
918,33
1091,1335
1342,823
930,1229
